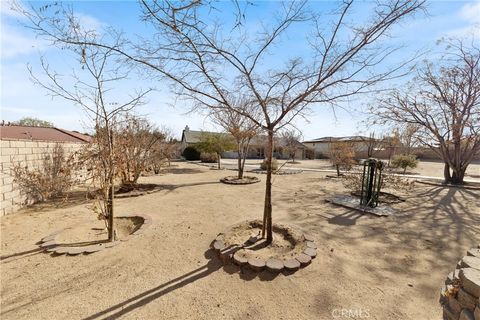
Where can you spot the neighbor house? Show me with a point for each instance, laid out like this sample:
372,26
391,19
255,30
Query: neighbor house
28,146
321,146
256,150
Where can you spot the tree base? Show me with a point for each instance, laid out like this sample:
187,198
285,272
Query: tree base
83,239
242,245
244,180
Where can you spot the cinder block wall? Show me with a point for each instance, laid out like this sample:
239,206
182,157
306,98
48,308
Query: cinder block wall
28,153
460,296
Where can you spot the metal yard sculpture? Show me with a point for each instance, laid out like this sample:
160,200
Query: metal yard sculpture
371,182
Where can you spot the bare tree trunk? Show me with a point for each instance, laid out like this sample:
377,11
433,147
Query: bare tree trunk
111,235
111,195
239,159
338,170
457,176
219,159
458,172
446,173
267,211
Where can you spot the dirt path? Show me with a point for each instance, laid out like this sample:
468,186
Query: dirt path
390,267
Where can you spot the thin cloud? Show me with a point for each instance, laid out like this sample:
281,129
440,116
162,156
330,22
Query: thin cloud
6,9
470,13
15,43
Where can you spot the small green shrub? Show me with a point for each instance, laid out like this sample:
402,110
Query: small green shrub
263,165
208,157
404,161
191,153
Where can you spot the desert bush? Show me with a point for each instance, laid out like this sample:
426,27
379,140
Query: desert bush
191,153
309,153
342,156
320,155
207,157
404,161
53,178
263,165
163,151
215,143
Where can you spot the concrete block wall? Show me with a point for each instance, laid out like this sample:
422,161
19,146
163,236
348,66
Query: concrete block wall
460,296
26,153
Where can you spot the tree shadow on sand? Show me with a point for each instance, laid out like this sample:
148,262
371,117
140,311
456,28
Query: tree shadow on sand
441,222
18,255
122,308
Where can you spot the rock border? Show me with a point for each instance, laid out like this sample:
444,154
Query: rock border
234,180
50,245
284,172
133,194
274,265
460,295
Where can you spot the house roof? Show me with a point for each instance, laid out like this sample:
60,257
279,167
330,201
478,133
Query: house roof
335,139
13,132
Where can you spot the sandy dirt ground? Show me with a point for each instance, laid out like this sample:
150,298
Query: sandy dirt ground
424,168
386,268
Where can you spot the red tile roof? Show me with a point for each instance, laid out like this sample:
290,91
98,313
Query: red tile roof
42,134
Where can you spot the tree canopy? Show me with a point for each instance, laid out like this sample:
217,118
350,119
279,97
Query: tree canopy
33,122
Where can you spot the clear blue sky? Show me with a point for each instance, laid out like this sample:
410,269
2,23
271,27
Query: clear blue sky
19,47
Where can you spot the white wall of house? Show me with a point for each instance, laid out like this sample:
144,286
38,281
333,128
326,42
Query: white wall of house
320,148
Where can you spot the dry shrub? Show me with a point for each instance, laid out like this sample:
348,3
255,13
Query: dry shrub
390,181
52,179
342,156
263,165
207,157
404,161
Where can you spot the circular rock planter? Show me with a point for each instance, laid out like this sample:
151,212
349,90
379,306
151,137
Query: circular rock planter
244,180
83,239
137,190
242,245
278,173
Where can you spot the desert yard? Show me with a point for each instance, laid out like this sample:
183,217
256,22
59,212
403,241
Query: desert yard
429,168
389,267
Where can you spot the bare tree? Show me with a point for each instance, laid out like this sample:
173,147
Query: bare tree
289,141
391,143
242,128
205,61
135,139
408,137
91,93
372,145
443,101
